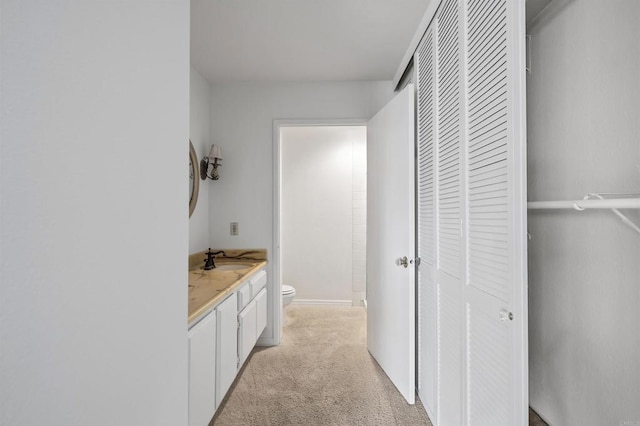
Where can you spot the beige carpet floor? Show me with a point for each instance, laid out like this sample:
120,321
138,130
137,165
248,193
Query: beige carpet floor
320,374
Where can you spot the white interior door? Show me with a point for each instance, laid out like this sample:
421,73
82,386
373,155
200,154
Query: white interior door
390,238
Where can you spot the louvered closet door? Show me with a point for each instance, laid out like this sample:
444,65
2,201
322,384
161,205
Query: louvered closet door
449,210
427,291
472,214
494,291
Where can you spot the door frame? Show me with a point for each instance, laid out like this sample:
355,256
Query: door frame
276,267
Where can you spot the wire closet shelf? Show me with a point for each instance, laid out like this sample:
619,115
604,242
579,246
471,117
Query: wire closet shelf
596,201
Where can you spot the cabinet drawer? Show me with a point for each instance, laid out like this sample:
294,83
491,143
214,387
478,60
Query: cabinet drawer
258,282
244,295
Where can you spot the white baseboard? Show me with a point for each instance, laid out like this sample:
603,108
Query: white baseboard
322,302
267,339
270,341
358,295
427,408
545,420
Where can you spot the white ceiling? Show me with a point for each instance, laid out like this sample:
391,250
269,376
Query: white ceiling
301,40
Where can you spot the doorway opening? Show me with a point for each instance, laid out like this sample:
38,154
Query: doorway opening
320,211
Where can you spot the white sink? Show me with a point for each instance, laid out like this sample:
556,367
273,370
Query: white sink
231,267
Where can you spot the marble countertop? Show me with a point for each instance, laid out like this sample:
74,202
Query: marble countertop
208,288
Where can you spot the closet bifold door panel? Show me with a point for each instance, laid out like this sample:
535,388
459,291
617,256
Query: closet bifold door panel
471,189
449,209
427,291
494,291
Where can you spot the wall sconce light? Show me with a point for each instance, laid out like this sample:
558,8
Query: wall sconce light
214,159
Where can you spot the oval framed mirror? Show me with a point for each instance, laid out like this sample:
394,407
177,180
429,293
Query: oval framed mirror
194,182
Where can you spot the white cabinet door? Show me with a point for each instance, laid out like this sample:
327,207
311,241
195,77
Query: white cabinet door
261,312
202,371
227,346
246,331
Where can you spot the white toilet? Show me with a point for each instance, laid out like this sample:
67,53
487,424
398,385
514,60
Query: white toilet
288,293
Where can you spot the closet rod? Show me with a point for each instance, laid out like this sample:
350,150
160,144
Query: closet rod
588,202
610,203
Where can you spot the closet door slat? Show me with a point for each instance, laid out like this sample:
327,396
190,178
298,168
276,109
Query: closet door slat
426,225
490,117
448,147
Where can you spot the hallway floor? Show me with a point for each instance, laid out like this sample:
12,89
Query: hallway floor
321,374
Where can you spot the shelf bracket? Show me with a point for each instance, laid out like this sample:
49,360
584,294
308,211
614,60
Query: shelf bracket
617,212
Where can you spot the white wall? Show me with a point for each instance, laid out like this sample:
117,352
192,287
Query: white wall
584,274
359,219
318,209
93,221
199,135
242,117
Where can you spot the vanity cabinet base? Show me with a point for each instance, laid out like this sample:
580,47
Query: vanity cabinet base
202,371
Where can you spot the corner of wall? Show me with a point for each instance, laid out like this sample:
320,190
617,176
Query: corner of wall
199,134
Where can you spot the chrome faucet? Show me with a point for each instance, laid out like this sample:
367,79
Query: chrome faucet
209,261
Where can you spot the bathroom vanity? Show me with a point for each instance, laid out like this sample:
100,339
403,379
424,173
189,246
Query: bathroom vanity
227,314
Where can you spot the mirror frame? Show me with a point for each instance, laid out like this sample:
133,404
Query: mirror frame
195,182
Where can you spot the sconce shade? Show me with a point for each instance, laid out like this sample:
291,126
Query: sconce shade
215,152
214,159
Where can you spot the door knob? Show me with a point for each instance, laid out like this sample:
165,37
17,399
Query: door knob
403,261
504,315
